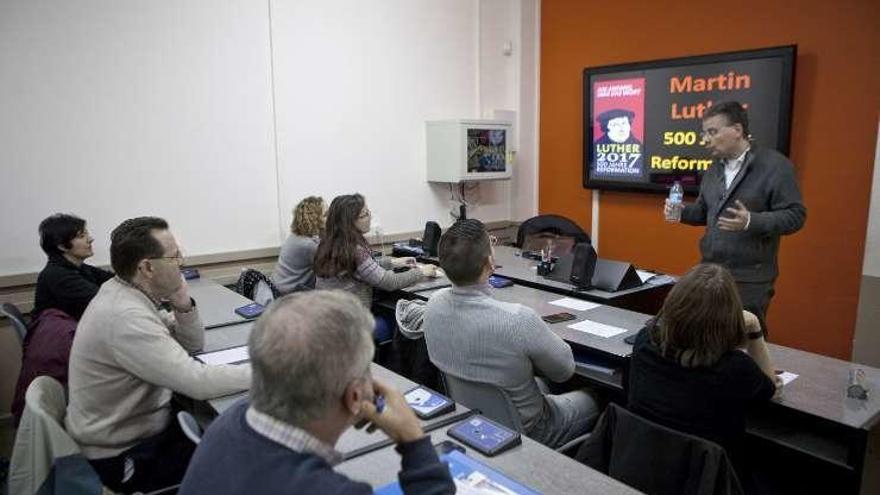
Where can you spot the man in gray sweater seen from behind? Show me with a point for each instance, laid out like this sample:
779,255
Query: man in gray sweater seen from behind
474,337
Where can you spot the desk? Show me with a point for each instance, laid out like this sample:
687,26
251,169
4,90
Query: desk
647,298
598,359
812,417
216,303
531,463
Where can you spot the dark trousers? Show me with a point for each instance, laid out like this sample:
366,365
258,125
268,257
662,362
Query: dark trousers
157,462
756,299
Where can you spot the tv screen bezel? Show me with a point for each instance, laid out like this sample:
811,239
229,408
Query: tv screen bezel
787,53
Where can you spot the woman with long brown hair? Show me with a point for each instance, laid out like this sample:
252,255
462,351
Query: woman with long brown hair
702,362
344,259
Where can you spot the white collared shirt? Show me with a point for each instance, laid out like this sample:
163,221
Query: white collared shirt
733,166
292,437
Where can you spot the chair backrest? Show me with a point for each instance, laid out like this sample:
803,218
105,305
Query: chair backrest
553,224
190,426
655,459
10,311
492,401
44,456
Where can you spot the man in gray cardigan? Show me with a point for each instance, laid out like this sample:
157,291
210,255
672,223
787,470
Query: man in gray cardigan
472,336
748,199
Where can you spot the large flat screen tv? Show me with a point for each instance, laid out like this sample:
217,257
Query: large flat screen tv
642,121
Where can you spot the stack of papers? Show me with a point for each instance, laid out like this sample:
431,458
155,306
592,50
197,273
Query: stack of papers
786,376
233,355
575,304
597,329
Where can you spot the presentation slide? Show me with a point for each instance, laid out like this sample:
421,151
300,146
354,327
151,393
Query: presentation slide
643,121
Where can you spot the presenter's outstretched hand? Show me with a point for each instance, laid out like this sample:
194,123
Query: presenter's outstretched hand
737,219
397,419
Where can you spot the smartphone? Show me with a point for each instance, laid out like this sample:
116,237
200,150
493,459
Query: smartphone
558,317
485,436
249,311
499,282
427,403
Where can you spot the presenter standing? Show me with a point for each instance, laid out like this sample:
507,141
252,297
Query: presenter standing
748,200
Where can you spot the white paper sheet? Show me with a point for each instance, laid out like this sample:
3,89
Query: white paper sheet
575,304
598,329
645,275
226,356
786,377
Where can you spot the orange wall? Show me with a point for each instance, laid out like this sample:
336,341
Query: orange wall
837,97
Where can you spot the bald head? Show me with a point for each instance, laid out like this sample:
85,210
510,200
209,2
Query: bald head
305,350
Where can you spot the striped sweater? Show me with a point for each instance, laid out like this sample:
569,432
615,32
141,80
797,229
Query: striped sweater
369,274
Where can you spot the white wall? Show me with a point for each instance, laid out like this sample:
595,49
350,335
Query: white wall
871,266
125,108
220,116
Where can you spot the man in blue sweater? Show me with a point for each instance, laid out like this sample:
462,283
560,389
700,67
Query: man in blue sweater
310,353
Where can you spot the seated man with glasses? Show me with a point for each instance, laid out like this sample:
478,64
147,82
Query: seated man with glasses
472,336
131,351
311,354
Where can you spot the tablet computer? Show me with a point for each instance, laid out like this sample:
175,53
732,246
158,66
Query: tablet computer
249,311
427,403
485,436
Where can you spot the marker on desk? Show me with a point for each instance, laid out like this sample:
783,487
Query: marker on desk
379,402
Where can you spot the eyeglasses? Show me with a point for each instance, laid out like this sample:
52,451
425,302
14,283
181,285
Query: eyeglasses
178,258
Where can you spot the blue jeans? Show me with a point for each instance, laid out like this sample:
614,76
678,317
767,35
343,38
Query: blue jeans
383,331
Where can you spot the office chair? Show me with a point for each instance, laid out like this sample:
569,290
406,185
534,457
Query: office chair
553,224
189,426
494,403
655,459
45,458
10,311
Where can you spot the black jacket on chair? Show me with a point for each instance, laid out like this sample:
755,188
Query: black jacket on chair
656,459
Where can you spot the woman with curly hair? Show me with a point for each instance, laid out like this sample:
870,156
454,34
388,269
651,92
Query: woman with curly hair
294,270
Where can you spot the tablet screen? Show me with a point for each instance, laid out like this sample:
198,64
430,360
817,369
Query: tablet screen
424,401
483,434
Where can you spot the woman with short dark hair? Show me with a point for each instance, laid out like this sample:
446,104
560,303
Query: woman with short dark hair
67,283
702,362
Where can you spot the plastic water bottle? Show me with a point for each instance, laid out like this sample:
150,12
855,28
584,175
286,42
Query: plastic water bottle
676,195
